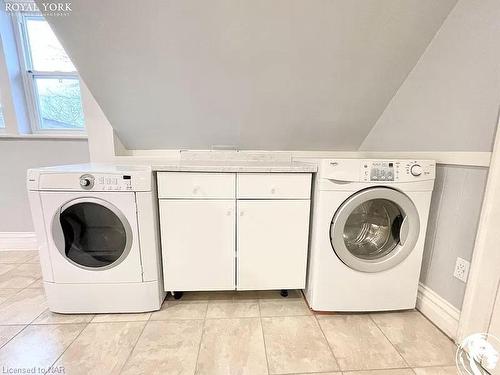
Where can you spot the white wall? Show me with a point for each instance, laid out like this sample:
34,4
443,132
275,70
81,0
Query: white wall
276,75
450,100
16,156
453,220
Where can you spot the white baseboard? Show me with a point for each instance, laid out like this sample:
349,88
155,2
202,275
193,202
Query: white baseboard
18,241
439,311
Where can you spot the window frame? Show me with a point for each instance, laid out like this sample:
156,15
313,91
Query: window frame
29,76
3,127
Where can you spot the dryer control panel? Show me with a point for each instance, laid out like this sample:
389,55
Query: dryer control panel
106,182
115,180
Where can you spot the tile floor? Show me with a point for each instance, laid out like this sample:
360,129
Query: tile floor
210,333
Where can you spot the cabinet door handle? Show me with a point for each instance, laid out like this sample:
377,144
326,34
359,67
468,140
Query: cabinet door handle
229,212
273,190
196,189
242,213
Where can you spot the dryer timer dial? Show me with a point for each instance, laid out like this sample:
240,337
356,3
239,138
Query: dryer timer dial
87,181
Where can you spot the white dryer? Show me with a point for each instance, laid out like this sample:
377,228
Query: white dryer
98,237
368,230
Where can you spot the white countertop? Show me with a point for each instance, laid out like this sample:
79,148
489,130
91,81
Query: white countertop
234,166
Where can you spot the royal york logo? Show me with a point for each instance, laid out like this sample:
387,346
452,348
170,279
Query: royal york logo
44,8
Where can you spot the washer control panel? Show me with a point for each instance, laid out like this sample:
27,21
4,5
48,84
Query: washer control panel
383,170
106,182
397,171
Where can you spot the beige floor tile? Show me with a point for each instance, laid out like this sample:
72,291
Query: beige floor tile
441,370
17,256
140,317
166,347
225,295
7,293
102,348
181,310
35,259
233,309
48,317
397,371
192,296
296,344
222,296
38,346
358,344
19,276
36,284
233,295
5,268
291,307
23,307
232,346
275,294
246,295
419,342
32,269
8,332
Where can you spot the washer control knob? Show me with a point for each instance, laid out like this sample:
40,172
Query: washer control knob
87,181
416,170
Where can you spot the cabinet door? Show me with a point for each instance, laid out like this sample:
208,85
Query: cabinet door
272,244
198,244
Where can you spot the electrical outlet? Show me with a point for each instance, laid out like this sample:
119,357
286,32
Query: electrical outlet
461,269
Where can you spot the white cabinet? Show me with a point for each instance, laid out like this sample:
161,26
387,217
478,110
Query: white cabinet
206,245
272,238
198,244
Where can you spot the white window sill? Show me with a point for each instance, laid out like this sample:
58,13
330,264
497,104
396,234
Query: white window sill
44,136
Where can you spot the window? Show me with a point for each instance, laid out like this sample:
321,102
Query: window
51,81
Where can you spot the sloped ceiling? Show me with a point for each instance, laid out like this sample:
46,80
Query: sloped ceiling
449,102
253,74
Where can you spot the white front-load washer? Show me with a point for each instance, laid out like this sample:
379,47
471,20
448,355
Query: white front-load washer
97,233
368,229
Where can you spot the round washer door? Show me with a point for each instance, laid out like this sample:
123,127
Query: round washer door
92,233
375,229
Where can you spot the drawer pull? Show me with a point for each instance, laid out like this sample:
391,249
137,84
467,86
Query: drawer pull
273,191
196,190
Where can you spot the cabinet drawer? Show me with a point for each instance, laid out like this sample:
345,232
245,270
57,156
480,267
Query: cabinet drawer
274,185
196,185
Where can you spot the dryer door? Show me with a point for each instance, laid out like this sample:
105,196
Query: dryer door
375,229
91,233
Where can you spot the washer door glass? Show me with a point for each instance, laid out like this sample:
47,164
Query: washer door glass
95,234
375,229
372,229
